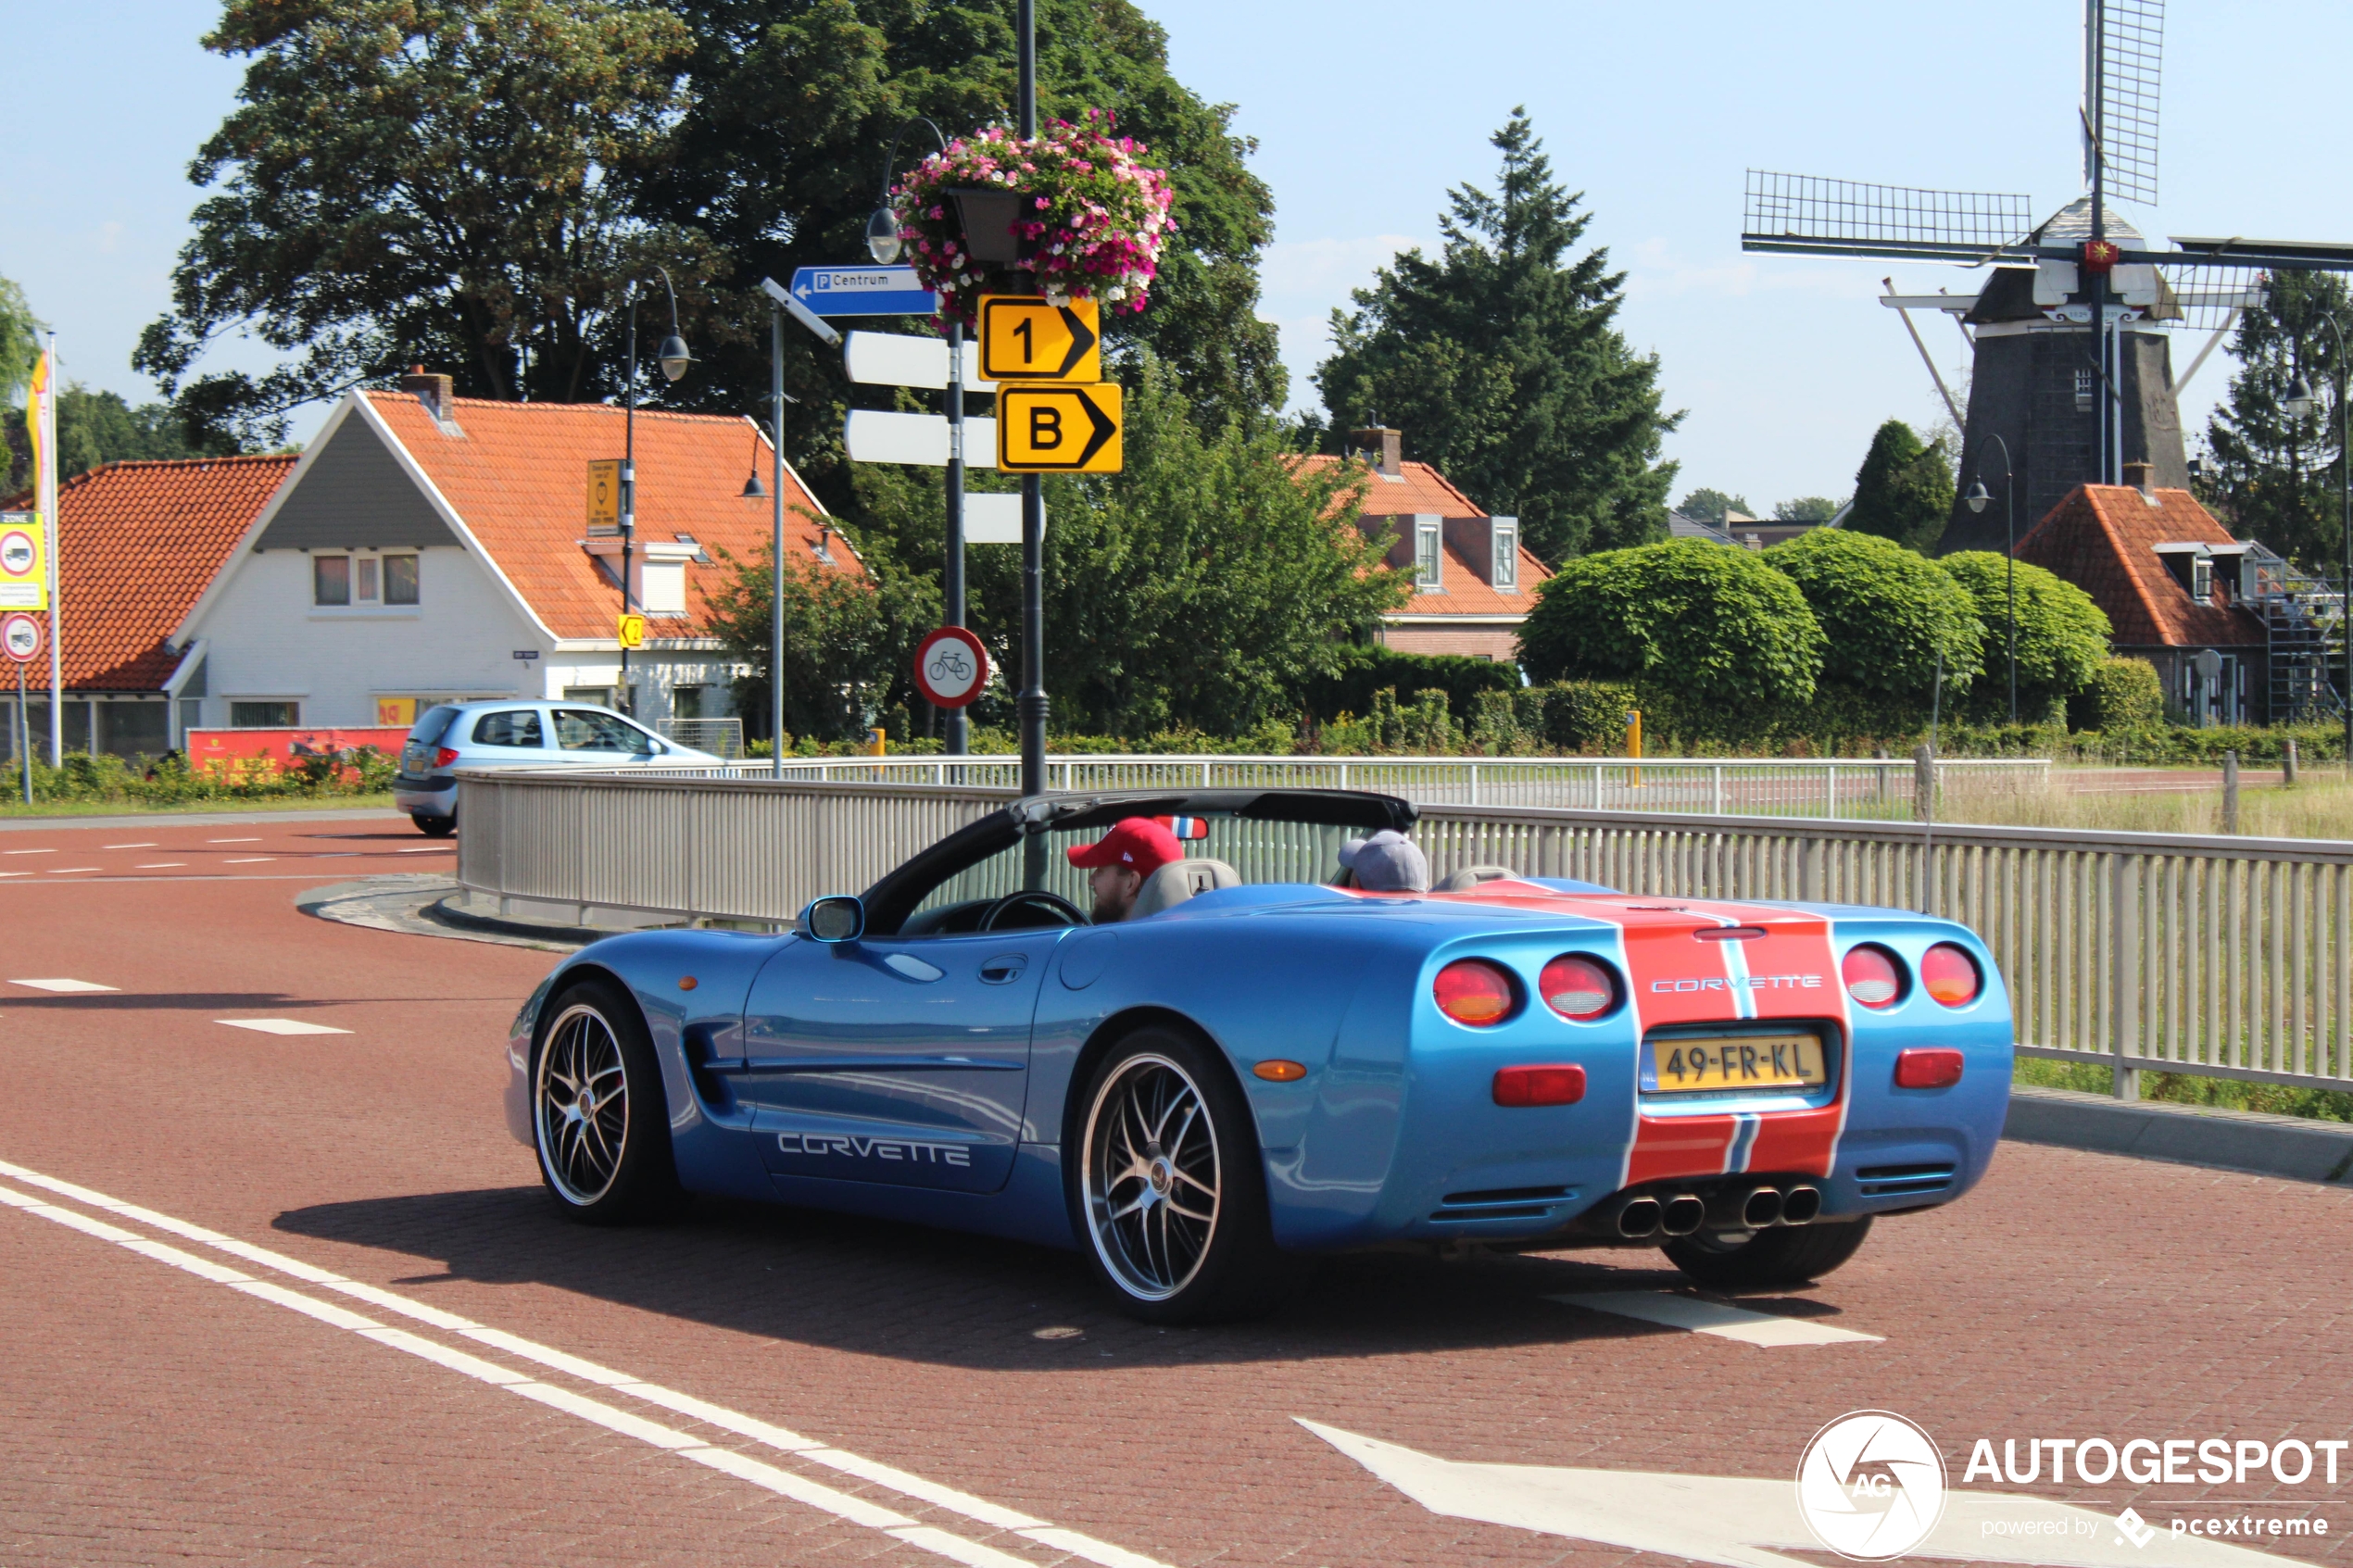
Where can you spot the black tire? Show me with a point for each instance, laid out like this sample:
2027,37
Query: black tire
604,1158
433,826
1783,1256
1166,1187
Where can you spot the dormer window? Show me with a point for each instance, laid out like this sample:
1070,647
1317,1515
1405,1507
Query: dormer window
1429,558
2202,579
1507,578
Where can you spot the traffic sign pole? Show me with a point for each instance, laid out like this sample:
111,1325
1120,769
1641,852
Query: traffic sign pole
958,739
1030,708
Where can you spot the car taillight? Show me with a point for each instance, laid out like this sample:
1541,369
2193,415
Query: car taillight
1540,1085
1872,976
1939,1068
443,758
1950,975
1473,991
1577,987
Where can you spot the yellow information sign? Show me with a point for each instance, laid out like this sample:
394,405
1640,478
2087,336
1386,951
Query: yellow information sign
604,497
24,561
1023,337
1058,429
632,631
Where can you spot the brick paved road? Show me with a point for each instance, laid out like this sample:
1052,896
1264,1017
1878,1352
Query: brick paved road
148,1414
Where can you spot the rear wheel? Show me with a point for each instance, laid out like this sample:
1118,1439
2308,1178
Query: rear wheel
1782,1255
1168,1197
433,826
597,1109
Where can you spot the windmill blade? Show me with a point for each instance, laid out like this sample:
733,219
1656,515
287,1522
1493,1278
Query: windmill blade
1805,215
2269,256
2127,61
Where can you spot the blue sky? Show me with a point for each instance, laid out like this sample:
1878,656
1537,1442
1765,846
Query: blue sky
1366,112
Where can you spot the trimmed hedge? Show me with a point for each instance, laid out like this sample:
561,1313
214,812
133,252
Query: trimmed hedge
1367,669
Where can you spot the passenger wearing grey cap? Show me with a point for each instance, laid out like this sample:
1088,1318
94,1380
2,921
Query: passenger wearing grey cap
1387,862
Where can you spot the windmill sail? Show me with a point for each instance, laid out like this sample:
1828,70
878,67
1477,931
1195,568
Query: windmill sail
1806,214
2123,59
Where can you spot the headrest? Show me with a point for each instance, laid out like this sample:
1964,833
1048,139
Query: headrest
1462,880
1180,880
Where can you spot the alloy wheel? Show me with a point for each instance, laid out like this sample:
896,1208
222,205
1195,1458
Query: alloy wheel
1151,1177
582,1102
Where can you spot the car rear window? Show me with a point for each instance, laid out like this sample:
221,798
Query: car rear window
434,726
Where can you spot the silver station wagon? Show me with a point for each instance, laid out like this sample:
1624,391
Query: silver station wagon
516,735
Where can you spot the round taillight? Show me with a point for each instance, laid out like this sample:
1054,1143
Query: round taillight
1577,987
1949,974
1473,991
1872,976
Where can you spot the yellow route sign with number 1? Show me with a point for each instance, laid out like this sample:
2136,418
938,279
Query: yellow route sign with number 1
1058,429
1026,338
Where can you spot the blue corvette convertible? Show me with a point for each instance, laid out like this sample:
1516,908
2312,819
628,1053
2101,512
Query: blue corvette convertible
1256,1067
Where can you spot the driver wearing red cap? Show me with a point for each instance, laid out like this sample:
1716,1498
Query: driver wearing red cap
1120,861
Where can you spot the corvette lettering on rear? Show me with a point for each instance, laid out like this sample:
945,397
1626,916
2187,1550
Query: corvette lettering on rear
836,1144
1743,983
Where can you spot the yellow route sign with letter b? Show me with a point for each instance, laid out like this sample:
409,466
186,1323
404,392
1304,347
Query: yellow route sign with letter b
1058,429
1023,337
632,631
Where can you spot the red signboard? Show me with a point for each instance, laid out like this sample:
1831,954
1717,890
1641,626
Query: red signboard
229,748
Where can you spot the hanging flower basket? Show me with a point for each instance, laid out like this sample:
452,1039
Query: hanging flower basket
1071,214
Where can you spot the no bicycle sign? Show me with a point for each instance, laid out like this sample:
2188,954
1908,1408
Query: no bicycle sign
951,666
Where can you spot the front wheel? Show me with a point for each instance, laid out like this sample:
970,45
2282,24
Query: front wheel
433,826
597,1109
1781,1256
1169,1198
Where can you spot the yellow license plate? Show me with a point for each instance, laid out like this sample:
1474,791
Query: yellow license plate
1735,1061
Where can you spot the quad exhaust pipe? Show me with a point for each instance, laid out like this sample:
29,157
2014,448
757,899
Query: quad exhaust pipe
1683,1213
1800,1204
1639,1217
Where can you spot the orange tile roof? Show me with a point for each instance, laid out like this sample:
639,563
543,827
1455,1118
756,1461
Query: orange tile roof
517,477
1420,488
139,543
2103,539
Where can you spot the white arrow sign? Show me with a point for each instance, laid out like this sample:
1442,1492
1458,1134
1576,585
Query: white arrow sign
897,360
874,435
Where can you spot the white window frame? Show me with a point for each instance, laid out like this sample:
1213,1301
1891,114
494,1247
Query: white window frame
1506,546
1429,555
366,579
2202,578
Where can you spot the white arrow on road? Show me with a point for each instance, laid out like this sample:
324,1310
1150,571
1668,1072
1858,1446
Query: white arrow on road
1737,1521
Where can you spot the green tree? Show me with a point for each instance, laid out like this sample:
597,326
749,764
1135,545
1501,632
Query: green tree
1807,508
2276,476
99,427
1501,363
2062,635
18,345
1890,617
1719,633
848,641
1711,506
1904,491
434,181
780,159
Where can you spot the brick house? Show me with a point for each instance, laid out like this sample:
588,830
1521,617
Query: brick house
1474,582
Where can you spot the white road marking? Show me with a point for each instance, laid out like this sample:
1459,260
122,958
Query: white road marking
255,840
248,860
428,849
126,846
15,873
68,870
158,865
62,985
280,1026
1738,1521
784,1482
1672,1310
27,851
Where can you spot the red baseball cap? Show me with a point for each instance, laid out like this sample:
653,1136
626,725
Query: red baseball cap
1134,841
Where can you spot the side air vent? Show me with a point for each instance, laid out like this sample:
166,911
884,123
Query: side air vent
1502,1203
1894,1181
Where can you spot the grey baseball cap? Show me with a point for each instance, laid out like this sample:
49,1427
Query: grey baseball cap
1387,862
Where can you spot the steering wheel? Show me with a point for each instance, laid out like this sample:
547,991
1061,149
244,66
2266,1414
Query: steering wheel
1067,912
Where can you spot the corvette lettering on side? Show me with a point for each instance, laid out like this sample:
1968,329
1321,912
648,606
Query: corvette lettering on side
874,1148
1743,983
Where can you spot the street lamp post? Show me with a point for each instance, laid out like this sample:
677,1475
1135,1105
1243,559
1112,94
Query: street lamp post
674,360
883,242
2300,402
1030,706
1977,497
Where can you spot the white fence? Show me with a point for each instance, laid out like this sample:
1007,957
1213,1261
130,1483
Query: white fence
1772,787
2224,957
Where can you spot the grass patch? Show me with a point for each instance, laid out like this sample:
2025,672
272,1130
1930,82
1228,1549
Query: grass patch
2184,1088
16,809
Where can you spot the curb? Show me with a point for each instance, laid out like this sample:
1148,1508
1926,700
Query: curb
2254,1142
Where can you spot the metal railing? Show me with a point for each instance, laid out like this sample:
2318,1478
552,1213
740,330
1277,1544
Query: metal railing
1838,788
2223,957
721,737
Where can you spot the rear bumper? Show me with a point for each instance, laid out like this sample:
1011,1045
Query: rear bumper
425,797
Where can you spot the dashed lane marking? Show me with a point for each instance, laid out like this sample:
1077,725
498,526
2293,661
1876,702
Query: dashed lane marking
27,851
255,840
68,870
248,860
15,873
280,1026
66,987
1671,1310
784,1482
429,850
158,865
127,846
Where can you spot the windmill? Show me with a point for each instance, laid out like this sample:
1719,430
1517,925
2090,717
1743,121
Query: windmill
2071,364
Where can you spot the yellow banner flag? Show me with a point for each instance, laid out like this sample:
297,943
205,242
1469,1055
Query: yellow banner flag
33,423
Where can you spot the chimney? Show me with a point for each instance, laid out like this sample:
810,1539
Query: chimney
438,394
1379,445
2143,478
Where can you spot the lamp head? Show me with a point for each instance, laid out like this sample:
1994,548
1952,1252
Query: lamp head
674,356
882,239
2299,400
1977,497
753,486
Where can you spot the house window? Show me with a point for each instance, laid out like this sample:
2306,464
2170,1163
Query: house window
367,579
686,702
2202,578
264,715
401,580
1506,556
662,587
1428,573
2083,388
331,580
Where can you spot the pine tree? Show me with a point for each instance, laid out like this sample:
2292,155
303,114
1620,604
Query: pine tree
2275,475
1501,363
1904,491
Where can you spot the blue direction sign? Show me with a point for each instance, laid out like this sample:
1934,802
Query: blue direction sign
863,291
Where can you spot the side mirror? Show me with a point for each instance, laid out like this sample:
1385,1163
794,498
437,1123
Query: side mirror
834,920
